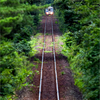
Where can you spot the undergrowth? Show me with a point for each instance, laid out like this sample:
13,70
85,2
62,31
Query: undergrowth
79,21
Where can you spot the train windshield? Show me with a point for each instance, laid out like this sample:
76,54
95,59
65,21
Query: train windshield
46,10
50,9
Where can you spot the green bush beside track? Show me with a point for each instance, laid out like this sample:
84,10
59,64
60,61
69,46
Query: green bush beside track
81,22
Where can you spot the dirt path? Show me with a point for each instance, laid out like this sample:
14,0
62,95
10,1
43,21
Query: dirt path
67,89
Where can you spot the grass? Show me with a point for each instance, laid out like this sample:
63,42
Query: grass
62,73
47,51
47,34
45,62
56,22
66,67
40,47
36,66
60,65
38,34
58,52
37,60
51,44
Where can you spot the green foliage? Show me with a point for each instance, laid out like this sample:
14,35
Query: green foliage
14,69
81,43
16,14
67,17
62,73
32,44
23,46
47,51
18,22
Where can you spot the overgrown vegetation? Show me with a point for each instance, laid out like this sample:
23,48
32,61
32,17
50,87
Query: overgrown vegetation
18,22
81,22
14,68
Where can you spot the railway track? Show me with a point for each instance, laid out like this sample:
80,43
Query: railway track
48,89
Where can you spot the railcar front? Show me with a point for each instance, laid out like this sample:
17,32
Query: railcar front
49,11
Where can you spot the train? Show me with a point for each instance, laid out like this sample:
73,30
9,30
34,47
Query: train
49,11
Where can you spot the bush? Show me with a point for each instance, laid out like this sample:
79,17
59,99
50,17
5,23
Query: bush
84,62
81,43
23,46
14,68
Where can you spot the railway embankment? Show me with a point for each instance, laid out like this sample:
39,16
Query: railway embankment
48,91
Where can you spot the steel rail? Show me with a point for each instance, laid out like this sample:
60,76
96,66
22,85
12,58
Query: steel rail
42,63
55,62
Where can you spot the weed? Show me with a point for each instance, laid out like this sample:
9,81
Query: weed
36,66
60,65
36,59
56,22
51,44
59,56
45,62
47,51
58,52
33,91
63,96
38,34
66,66
37,72
46,33
62,73
40,47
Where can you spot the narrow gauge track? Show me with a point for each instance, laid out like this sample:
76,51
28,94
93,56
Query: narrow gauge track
48,89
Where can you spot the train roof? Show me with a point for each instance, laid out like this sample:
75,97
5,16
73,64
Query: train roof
50,7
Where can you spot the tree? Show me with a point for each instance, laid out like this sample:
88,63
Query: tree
81,37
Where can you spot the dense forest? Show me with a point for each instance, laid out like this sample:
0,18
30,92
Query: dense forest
79,21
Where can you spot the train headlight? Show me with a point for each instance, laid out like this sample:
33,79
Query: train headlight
47,13
51,13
